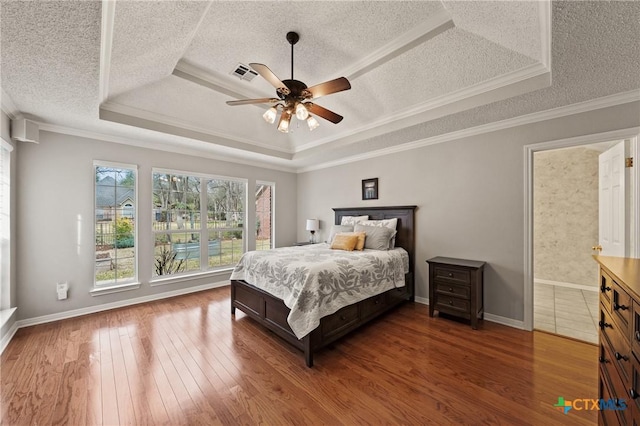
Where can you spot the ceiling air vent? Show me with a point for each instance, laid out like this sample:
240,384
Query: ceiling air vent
244,72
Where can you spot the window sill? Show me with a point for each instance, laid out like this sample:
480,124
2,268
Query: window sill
180,278
5,314
100,291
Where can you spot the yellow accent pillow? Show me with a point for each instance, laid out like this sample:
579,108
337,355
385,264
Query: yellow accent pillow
361,237
344,242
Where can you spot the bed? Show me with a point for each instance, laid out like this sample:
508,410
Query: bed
272,312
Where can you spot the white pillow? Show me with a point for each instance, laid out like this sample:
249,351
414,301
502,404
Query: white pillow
352,220
377,237
387,223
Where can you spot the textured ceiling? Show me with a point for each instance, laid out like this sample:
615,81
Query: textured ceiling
417,68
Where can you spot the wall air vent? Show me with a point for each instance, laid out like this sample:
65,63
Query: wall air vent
244,72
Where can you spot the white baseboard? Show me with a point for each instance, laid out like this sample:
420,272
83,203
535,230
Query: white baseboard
120,304
567,285
489,317
7,337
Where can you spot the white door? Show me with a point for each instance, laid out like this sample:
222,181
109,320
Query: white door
612,201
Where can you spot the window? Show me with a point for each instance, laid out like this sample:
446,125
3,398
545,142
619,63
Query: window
115,224
264,216
5,224
184,242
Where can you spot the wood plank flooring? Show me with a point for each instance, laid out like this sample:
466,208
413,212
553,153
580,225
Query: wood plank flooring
185,360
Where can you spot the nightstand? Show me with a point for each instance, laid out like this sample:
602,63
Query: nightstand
302,243
456,288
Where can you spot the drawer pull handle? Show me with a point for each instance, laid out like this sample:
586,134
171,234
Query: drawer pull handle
450,274
451,302
638,336
619,356
342,318
604,325
450,290
377,302
603,360
633,394
604,288
619,307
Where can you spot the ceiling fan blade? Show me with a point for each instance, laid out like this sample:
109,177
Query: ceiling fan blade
324,113
252,101
329,87
268,75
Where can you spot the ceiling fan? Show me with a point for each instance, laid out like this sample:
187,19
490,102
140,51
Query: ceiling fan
294,97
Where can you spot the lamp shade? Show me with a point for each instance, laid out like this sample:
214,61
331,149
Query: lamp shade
313,224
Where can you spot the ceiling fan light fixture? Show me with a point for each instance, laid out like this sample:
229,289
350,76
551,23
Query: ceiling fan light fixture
312,122
285,119
301,111
270,115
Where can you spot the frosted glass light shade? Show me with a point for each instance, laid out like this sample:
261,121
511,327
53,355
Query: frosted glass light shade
283,125
312,123
301,112
270,115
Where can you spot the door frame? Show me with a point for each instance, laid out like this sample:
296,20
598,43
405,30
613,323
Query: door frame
634,210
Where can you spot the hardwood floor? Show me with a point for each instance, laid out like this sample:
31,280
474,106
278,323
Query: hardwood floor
185,360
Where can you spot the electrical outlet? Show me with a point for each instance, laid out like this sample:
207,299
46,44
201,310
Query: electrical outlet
62,289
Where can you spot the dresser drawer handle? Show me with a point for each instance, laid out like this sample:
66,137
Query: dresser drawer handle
619,356
619,307
450,290
633,394
604,288
451,302
603,360
450,274
638,336
604,325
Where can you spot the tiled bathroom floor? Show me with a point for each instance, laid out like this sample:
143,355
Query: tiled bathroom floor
566,311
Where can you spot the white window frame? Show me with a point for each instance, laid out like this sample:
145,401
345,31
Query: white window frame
203,231
132,283
273,209
5,232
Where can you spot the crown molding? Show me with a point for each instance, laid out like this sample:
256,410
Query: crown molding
134,112
428,29
106,44
577,108
8,107
205,151
514,83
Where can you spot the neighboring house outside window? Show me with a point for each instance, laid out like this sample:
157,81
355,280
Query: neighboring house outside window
184,243
264,215
115,224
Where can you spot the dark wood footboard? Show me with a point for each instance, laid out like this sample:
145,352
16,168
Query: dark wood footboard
272,313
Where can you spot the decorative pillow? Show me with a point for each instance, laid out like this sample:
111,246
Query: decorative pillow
387,223
352,220
361,238
336,229
344,242
378,237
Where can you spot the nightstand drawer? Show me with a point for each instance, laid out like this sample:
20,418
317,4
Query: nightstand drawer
453,304
452,275
457,290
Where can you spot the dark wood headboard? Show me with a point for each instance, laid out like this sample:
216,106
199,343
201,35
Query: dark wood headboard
405,236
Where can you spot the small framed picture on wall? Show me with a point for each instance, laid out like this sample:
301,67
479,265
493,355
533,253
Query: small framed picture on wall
370,189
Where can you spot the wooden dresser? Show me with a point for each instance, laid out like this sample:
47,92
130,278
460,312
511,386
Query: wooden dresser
456,288
619,354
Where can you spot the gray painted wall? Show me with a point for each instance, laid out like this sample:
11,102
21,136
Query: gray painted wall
55,217
469,193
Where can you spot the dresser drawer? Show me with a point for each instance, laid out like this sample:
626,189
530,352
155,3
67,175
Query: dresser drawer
634,386
340,320
617,345
606,288
635,328
621,307
453,305
452,275
457,290
607,392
